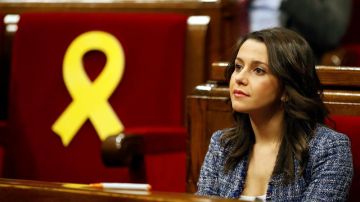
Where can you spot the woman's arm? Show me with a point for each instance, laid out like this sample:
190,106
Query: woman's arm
331,168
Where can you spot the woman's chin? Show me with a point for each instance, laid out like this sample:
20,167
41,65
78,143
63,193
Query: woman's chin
240,108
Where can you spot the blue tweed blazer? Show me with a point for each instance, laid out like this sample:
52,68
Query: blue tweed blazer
327,176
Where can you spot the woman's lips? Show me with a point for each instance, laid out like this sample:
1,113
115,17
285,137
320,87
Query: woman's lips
240,93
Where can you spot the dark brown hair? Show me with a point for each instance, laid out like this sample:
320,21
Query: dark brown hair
291,60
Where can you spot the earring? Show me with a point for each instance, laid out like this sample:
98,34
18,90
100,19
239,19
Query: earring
284,99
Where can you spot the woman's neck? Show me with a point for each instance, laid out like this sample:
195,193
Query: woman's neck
268,126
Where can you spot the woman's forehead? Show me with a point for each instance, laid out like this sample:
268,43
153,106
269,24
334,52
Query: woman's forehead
253,50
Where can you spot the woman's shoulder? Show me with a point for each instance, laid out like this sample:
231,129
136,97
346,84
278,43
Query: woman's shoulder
327,138
324,133
216,138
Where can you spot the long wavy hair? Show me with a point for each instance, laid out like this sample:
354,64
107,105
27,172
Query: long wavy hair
291,60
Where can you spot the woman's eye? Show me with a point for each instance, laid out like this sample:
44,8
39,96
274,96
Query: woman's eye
238,66
259,70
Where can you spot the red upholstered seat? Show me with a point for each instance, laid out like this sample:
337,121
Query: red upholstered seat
350,126
149,95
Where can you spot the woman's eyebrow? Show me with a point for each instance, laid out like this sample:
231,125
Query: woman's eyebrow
238,59
252,61
260,62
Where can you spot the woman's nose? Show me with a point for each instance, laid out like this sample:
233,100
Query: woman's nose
242,77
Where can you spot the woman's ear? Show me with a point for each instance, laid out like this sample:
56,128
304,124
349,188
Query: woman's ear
284,97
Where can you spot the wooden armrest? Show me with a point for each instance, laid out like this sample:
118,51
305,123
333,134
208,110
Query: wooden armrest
128,149
122,149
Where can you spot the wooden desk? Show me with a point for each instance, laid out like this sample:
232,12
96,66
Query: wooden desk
209,109
25,190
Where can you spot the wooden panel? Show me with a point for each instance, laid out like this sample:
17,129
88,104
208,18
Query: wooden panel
196,49
25,190
218,71
339,76
346,102
205,116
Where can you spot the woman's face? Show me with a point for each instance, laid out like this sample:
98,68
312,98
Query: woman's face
253,87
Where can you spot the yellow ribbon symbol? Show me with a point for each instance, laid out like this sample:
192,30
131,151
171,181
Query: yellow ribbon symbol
90,98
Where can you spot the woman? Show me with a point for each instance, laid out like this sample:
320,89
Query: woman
279,149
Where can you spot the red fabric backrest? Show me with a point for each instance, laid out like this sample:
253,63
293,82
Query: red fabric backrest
149,95
350,125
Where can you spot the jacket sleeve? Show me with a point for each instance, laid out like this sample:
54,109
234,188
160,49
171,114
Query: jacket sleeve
321,22
331,169
208,181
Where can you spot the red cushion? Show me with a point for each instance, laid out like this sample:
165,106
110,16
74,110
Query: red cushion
149,95
351,55
350,126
